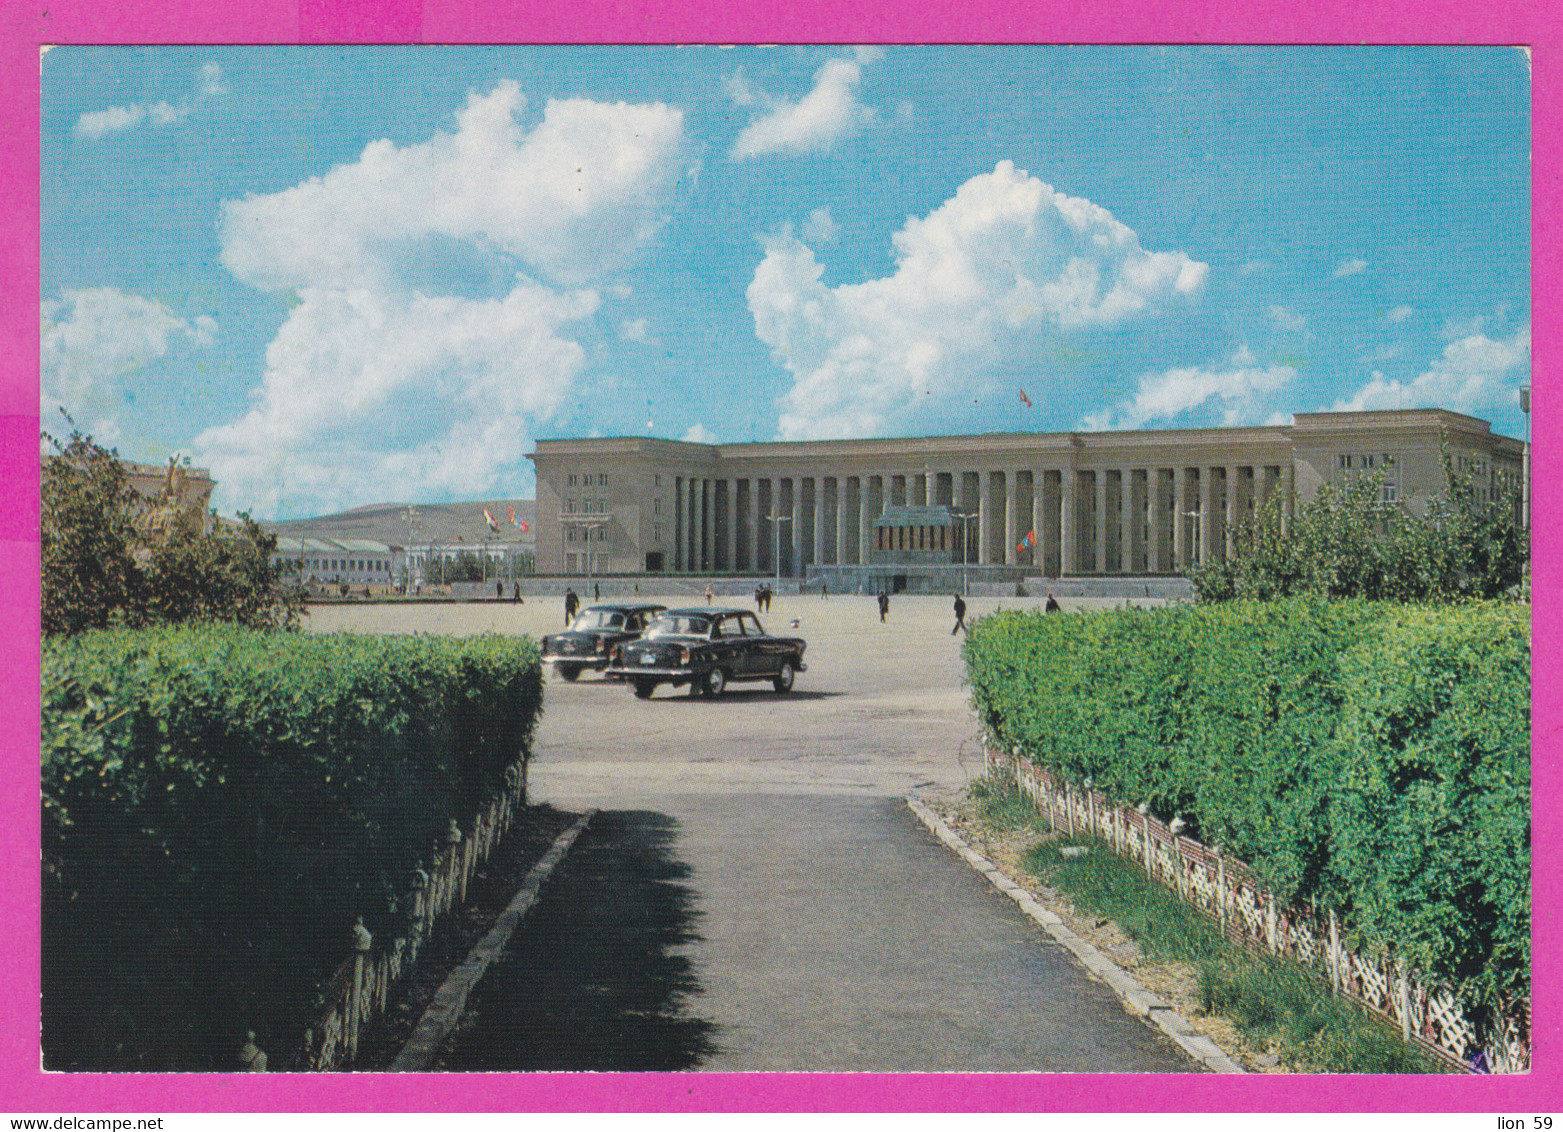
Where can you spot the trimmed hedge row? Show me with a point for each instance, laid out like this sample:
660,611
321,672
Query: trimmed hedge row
1371,757
220,803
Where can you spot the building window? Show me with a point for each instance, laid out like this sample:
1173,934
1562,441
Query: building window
569,506
571,480
602,506
656,532
1343,463
656,506
570,535
602,479
656,481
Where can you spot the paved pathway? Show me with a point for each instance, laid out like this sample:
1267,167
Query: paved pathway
755,894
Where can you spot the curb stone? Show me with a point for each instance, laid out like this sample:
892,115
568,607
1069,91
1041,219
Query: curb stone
451,999
1135,998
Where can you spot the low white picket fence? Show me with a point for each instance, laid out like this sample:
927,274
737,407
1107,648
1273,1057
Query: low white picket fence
1226,889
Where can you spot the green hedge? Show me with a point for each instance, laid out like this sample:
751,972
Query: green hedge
220,803
1370,757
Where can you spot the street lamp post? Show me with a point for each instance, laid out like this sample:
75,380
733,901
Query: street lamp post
1195,536
777,521
1525,489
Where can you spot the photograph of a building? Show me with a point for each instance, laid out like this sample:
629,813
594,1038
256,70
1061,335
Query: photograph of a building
1054,504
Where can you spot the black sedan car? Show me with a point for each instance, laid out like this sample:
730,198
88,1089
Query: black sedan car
593,635
707,649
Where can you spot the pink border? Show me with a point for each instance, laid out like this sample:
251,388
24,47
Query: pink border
29,23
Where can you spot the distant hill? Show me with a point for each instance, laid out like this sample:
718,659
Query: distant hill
439,523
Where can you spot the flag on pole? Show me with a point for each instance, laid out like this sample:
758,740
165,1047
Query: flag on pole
492,525
1028,542
1024,398
512,507
524,526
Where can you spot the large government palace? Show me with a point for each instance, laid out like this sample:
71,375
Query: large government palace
1051,504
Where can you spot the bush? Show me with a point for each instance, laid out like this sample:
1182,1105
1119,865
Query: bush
1371,757
220,803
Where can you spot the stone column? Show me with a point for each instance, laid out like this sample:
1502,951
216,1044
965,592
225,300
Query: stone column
732,527
865,520
1207,514
1068,485
842,483
1288,492
1128,523
676,521
1011,518
984,519
797,527
1101,520
819,521
1233,483
1180,522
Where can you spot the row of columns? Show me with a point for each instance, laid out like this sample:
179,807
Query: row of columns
1127,520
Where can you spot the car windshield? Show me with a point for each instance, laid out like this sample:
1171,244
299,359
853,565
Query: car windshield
679,625
598,619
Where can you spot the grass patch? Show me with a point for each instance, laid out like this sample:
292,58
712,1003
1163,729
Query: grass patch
1272,1001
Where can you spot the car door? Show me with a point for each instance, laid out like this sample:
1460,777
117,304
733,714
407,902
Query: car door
759,648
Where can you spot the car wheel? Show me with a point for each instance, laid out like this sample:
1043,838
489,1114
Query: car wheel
644,688
571,672
784,678
716,683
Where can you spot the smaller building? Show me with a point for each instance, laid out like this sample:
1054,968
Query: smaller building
330,562
917,536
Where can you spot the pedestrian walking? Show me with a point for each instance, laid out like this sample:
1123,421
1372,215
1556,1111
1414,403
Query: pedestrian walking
884,605
571,604
596,591
1052,605
710,594
823,592
499,589
759,599
960,616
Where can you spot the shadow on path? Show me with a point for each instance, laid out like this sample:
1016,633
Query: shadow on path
592,980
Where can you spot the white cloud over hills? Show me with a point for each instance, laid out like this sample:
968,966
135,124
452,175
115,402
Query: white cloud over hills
377,387
93,340
979,283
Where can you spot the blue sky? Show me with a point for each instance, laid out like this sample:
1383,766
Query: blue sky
345,276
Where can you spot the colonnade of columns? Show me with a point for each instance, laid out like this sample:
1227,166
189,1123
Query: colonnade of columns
1096,520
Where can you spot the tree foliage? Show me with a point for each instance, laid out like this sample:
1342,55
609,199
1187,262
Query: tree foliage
1348,543
111,557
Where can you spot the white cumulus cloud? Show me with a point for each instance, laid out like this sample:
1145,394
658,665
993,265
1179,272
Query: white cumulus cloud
1473,373
699,434
978,284
92,340
579,195
820,227
1239,393
635,329
1349,267
117,119
1400,313
830,112
389,381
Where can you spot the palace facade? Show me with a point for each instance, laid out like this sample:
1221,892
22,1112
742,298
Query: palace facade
1064,503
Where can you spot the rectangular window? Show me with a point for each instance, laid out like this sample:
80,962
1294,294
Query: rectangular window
572,480
1367,461
656,506
602,479
656,481
602,507
1343,462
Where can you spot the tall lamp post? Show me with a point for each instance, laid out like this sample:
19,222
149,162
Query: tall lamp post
776,522
1195,534
1525,490
965,517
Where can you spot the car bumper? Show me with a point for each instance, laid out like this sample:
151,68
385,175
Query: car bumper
584,661
656,673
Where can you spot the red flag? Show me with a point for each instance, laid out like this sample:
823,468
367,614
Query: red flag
523,525
493,526
512,507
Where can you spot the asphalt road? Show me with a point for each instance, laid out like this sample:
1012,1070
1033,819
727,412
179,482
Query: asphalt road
755,894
